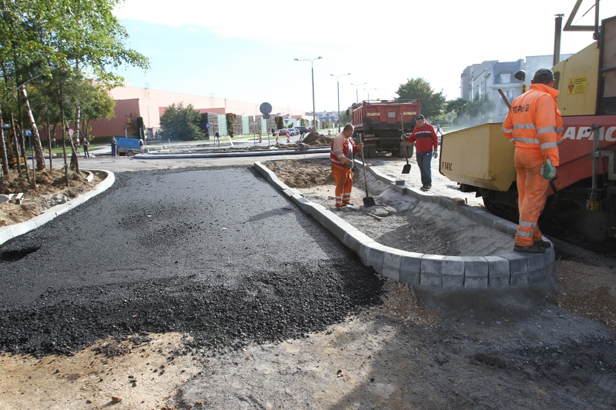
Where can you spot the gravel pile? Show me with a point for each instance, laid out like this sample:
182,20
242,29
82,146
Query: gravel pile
287,301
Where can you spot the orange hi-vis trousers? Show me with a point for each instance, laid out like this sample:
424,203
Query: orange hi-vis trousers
532,194
344,184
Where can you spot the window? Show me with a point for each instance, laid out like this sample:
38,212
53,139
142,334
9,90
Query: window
505,78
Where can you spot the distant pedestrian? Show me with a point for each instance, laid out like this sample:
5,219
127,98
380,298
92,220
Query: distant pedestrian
217,136
86,144
141,144
114,147
426,144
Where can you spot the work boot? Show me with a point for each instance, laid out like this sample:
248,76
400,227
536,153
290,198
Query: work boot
347,203
529,249
543,244
425,188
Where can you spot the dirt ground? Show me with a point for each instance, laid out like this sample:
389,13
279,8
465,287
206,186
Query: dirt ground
550,351
50,190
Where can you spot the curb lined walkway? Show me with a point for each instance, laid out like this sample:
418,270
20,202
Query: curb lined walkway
233,154
9,232
441,271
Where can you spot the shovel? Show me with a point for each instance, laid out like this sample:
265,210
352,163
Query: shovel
407,168
368,200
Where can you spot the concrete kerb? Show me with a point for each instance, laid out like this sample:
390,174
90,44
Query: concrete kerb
12,231
512,269
262,153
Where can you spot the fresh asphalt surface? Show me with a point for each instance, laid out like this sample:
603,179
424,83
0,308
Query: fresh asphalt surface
214,252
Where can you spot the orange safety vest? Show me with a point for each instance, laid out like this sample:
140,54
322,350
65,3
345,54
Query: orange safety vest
534,122
341,149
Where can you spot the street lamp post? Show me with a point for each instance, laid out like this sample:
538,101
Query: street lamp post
369,89
356,93
338,88
314,112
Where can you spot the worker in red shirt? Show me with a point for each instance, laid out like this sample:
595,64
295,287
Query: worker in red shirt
341,160
426,144
535,126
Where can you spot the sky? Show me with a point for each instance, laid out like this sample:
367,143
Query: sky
245,49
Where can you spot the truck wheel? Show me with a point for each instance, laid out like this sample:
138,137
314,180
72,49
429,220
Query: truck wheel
409,151
370,151
129,153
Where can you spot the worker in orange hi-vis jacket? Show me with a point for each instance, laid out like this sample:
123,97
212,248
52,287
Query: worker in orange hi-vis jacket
341,159
535,126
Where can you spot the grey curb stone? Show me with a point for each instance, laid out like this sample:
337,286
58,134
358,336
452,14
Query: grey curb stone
391,264
477,272
356,240
499,271
410,268
518,265
12,231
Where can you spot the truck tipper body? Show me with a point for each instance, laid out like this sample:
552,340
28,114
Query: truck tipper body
380,124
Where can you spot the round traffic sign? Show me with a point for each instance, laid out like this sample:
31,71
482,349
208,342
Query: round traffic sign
265,108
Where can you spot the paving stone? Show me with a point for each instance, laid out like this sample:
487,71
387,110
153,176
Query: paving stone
498,271
475,272
355,240
518,265
391,264
431,270
410,268
453,272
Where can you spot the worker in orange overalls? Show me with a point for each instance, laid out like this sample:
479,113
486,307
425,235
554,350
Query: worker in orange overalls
535,126
341,159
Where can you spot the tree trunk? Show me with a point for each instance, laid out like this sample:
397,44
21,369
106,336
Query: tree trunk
64,131
5,159
16,150
36,138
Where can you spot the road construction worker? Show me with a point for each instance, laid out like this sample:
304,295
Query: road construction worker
341,160
426,144
535,126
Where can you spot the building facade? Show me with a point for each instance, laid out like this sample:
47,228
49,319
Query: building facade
486,78
150,105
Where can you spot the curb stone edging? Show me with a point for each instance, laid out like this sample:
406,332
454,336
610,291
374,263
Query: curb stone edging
12,231
441,271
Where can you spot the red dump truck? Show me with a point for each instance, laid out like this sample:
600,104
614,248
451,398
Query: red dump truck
379,123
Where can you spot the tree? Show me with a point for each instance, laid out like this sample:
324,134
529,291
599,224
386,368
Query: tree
279,122
181,123
38,37
431,102
475,113
230,118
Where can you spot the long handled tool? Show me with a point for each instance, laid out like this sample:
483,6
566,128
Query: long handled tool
368,200
407,168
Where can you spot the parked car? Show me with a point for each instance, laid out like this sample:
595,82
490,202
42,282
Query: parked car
283,131
293,131
302,130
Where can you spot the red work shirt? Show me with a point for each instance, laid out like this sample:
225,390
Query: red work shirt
425,138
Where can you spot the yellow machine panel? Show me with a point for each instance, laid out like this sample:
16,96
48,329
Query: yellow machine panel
577,79
480,156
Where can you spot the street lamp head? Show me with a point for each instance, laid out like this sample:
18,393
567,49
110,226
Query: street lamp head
319,58
296,59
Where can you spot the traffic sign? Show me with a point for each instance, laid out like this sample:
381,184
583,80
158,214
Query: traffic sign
265,108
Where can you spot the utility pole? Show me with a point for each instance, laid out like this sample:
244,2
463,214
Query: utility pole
314,112
338,88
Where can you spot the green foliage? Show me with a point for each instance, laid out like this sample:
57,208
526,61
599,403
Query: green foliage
279,122
431,102
181,123
476,112
230,118
456,105
345,117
